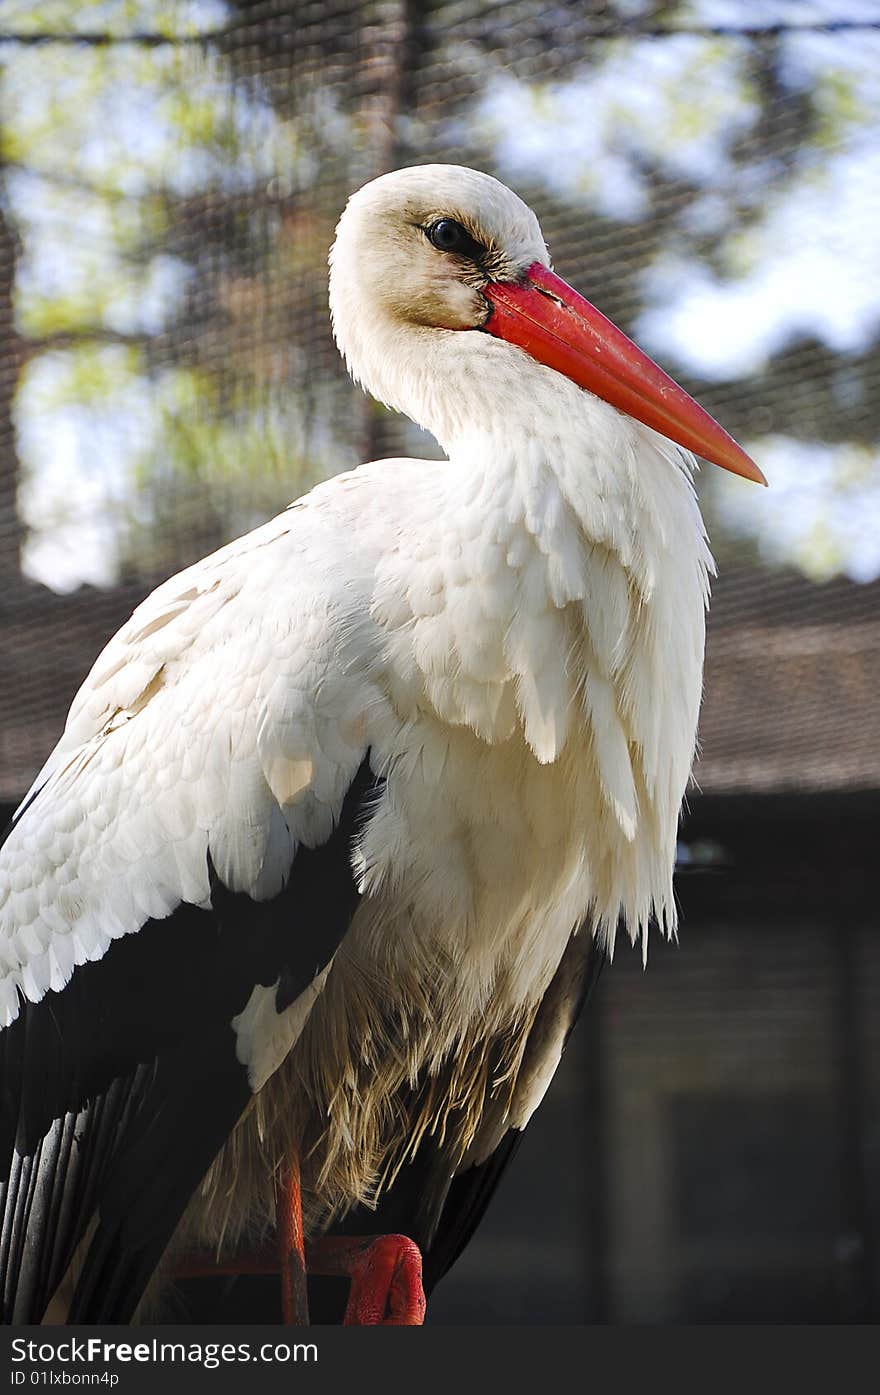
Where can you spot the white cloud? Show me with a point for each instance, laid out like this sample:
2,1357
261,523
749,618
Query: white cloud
79,460
814,269
679,104
821,512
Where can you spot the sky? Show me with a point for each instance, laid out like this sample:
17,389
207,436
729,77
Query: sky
810,266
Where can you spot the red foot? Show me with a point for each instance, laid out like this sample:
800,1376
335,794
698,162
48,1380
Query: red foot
386,1285
386,1277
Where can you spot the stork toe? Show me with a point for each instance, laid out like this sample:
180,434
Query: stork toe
386,1285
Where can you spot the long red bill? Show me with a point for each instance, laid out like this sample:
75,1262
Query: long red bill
561,329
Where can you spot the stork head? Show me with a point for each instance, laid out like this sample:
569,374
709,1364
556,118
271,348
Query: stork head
428,254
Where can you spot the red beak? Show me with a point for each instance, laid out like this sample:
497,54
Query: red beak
559,328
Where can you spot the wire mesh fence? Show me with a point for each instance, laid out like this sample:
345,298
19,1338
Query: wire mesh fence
171,172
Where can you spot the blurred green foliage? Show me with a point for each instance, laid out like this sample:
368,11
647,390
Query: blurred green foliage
175,202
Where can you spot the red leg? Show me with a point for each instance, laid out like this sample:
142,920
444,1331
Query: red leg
291,1247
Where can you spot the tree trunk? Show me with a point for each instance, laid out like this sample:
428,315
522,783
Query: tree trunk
11,358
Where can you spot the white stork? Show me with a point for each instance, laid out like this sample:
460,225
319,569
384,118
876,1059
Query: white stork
297,917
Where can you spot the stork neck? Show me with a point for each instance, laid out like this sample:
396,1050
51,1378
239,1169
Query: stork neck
502,416
550,444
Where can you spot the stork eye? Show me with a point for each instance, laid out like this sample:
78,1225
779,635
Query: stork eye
449,236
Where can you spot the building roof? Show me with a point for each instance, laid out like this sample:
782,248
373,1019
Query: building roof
791,684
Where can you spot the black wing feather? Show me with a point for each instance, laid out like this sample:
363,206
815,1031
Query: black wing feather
119,1090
